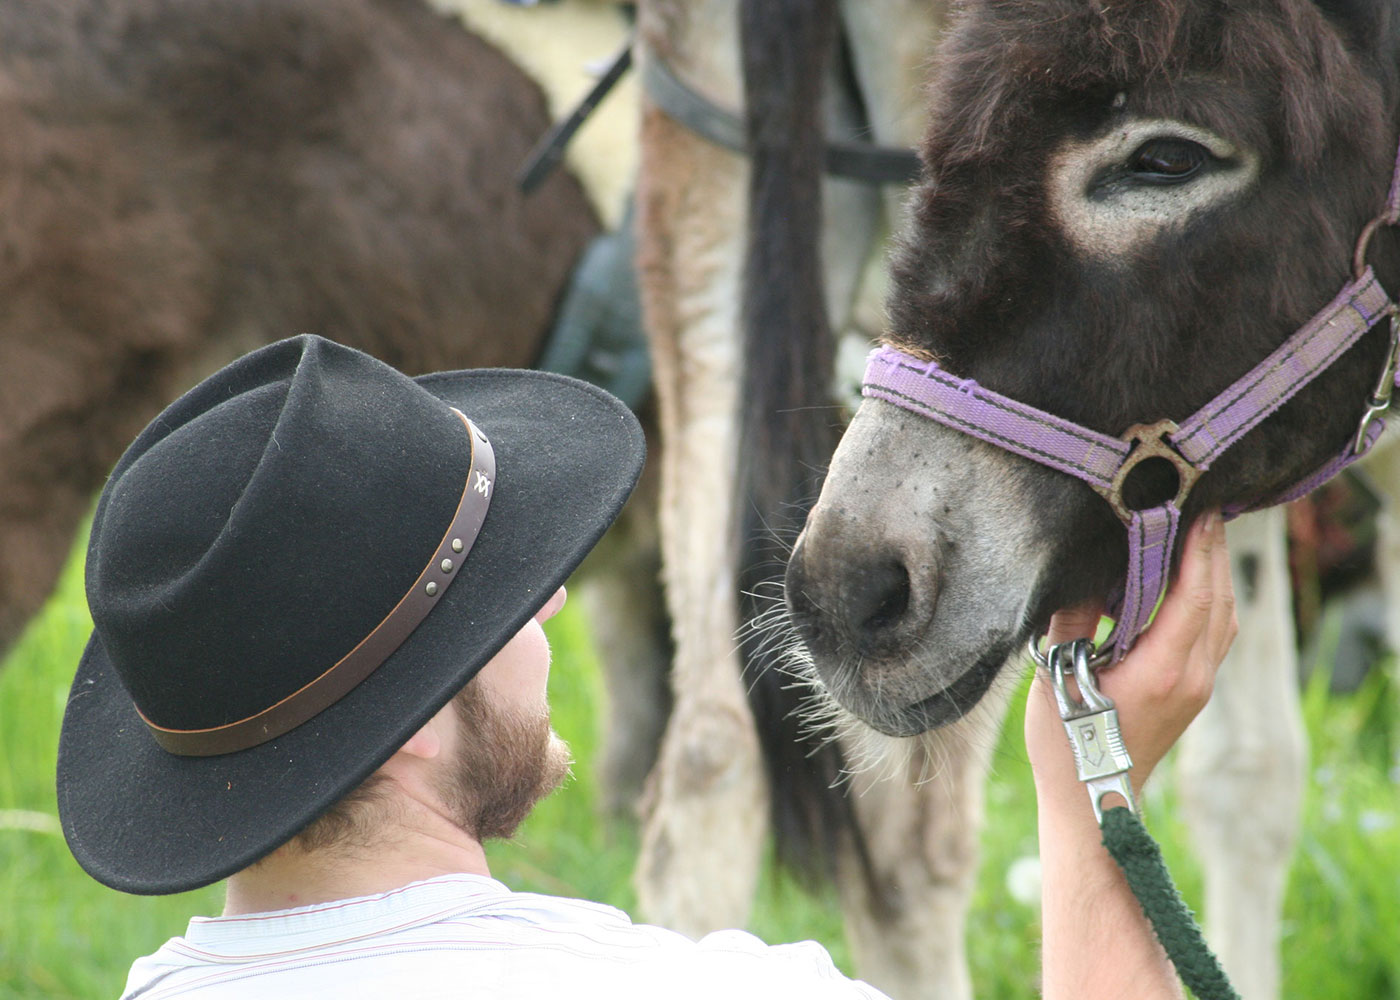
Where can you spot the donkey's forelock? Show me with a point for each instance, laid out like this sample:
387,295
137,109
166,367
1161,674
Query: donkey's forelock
1006,60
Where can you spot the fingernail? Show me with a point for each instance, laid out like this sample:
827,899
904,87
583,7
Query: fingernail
1209,520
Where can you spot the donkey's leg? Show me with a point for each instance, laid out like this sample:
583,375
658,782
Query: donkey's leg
706,817
706,813
920,804
1383,467
55,445
1241,765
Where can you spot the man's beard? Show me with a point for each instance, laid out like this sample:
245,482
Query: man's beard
507,761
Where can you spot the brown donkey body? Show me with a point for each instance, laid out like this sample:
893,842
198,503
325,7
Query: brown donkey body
183,181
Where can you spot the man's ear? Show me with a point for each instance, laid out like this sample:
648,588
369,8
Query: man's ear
427,742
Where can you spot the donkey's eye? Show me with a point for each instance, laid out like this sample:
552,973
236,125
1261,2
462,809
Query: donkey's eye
1165,161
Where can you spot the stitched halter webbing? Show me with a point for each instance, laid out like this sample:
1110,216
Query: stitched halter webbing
1101,461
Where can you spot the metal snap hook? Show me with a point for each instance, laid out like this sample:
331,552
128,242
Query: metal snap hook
1379,401
1097,658
1101,760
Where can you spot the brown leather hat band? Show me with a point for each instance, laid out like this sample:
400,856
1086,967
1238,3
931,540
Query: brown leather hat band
376,647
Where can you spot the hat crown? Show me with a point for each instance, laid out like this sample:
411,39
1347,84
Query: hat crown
264,524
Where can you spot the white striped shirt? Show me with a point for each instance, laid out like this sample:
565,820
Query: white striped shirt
470,936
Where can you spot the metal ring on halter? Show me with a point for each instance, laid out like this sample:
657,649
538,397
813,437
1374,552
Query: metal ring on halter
1097,659
1363,244
1149,441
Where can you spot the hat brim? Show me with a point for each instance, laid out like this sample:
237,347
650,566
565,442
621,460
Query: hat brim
146,821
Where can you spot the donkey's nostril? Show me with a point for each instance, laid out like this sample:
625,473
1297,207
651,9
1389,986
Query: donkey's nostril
849,598
879,602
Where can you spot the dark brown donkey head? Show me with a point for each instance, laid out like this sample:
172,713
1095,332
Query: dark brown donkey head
1125,207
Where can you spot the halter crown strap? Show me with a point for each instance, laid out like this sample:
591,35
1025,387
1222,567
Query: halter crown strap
1272,382
855,160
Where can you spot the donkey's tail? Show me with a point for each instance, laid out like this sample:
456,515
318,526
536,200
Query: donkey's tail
789,423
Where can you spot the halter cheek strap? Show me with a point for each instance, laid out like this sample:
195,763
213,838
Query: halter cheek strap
1104,462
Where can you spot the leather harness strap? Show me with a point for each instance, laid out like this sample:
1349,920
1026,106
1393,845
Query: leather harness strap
373,649
549,151
860,161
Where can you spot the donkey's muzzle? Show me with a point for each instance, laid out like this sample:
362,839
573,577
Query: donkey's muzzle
850,600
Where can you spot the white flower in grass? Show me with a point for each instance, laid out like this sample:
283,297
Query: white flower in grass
1023,880
1374,821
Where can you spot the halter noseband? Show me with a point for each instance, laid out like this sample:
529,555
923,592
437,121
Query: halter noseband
1104,462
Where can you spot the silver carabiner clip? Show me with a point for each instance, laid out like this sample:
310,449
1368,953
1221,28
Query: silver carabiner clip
1379,402
1091,721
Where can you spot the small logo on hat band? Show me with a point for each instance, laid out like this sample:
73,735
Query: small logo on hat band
373,649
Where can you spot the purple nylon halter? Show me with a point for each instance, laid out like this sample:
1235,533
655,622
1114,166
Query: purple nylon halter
1104,462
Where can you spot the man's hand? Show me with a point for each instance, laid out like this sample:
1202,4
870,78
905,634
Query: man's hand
1168,677
1097,943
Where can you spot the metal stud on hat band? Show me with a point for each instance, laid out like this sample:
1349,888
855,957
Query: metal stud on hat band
373,649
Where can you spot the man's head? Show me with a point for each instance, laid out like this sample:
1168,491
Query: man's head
493,756
292,570
507,757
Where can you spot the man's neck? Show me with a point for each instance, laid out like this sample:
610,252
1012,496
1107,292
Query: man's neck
422,844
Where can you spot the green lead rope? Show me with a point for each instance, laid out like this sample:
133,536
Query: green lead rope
1101,760
1137,854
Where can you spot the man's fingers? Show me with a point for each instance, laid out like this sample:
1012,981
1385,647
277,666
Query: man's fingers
1199,560
1199,607
1188,603
1221,629
1078,622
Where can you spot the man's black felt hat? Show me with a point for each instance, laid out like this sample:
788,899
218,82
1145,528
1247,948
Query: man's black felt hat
299,510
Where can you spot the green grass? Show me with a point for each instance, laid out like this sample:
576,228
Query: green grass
62,935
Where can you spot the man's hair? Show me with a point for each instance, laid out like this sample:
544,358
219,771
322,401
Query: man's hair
351,822
506,765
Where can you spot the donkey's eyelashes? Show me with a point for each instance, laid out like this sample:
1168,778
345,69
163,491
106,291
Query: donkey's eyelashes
1160,161
1123,187
1168,161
